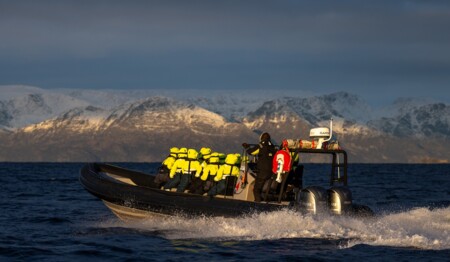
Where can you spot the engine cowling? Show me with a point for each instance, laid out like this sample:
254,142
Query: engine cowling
339,200
313,199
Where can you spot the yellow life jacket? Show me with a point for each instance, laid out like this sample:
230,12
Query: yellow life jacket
176,167
205,153
182,152
191,165
181,156
238,159
205,156
174,151
169,161
211,168
230,168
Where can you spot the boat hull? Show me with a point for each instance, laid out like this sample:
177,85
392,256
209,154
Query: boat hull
129,213
132,194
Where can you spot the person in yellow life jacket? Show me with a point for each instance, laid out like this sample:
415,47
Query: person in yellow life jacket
204,153
229,168
239,160
175,170
206,177
196,185
189,167
163,171
211,168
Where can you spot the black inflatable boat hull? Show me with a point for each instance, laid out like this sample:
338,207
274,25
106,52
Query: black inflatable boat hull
132,194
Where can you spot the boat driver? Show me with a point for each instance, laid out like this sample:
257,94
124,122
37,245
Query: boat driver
266,150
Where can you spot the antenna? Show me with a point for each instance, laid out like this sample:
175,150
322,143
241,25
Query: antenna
331,131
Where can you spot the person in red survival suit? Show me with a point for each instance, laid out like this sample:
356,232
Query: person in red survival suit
265,150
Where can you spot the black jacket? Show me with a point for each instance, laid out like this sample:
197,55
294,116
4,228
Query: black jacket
265,154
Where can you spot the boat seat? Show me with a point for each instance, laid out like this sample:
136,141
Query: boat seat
230,182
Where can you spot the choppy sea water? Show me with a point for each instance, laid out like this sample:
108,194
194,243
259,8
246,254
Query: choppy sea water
46,215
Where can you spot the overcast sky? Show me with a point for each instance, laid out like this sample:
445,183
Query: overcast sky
376,49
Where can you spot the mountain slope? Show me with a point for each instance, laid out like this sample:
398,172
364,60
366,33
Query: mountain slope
139,131
425,121
419,135
23,105
65,125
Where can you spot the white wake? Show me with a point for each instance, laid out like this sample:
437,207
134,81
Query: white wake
418,228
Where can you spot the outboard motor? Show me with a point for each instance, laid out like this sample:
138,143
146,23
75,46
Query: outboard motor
339,200
313,199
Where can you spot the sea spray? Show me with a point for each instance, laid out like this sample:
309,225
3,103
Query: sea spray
418,228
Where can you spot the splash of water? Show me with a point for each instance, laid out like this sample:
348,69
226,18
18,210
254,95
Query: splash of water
418,228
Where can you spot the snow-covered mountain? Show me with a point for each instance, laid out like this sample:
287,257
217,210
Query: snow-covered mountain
77,120
139,125
403,105
153,114
426,121
159,114
349,114
23,105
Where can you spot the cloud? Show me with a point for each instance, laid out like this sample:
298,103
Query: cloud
319,44
96,28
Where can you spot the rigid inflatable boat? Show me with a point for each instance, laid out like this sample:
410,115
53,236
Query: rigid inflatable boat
132,195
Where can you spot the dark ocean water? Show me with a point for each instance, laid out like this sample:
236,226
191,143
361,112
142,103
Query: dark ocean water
46,215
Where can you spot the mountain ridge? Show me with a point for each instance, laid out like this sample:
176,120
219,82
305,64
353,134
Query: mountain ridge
143,129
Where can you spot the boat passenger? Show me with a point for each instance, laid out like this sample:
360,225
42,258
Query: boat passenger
229,168
204,154
163,171
189,167
196,185
206,178
211,171
175,170
266,151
